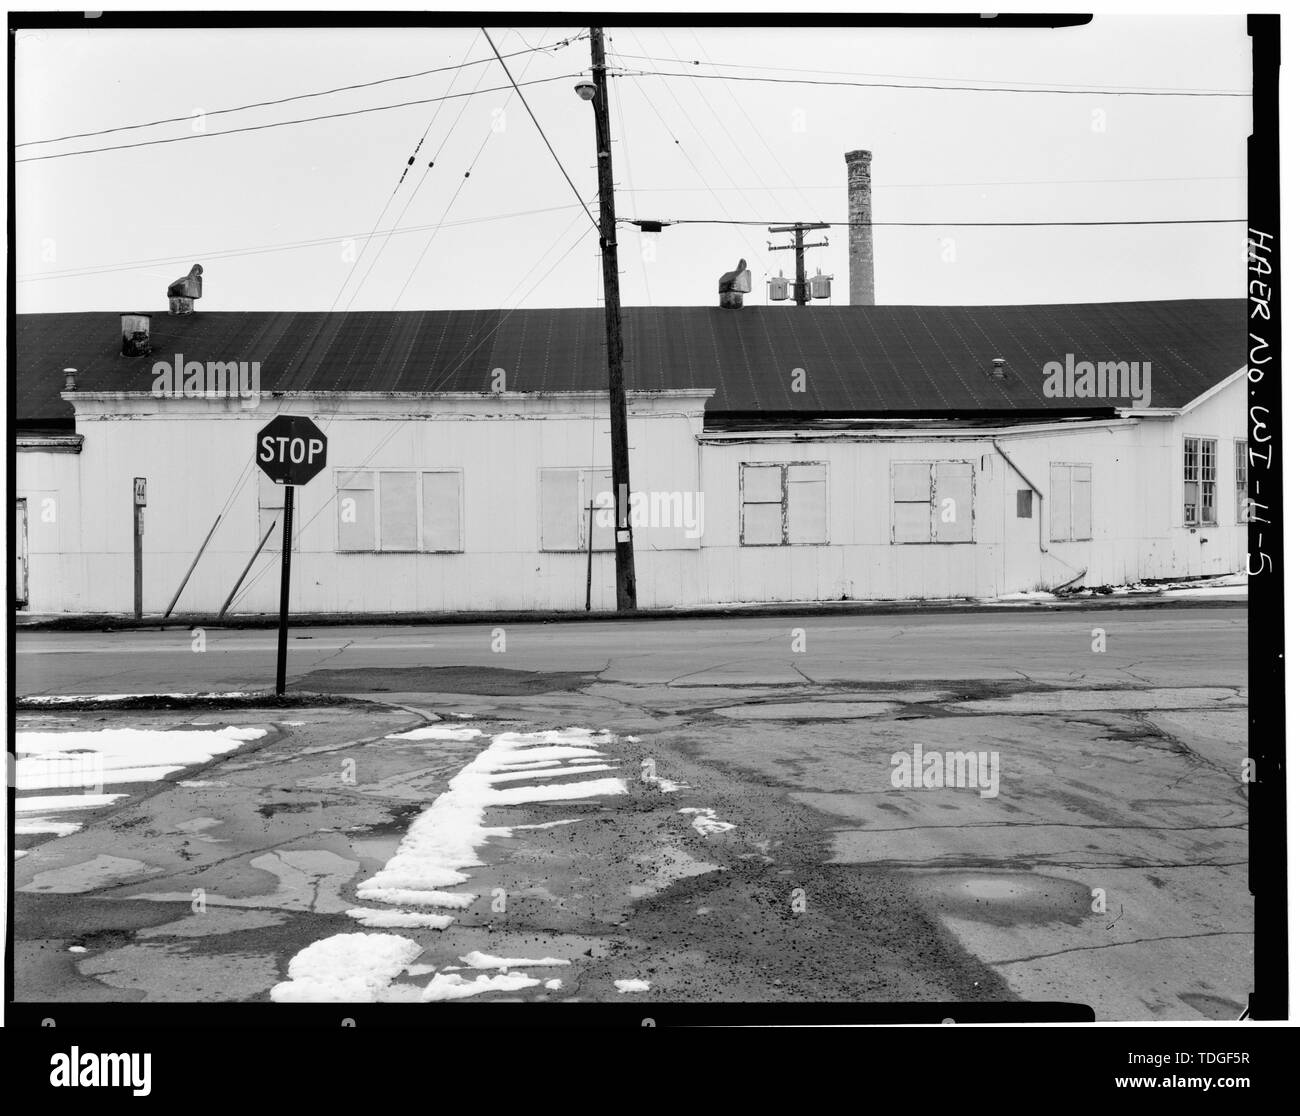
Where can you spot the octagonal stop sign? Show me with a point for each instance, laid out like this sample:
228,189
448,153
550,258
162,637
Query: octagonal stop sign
291,449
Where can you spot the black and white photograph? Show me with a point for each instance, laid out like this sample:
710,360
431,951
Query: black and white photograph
640,519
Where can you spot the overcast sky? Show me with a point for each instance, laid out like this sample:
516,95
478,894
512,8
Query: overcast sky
684,148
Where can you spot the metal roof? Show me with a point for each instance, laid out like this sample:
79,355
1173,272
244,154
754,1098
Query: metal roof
857,360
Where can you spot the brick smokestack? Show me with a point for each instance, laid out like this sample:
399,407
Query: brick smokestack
862,263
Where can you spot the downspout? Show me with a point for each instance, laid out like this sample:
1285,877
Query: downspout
1042,514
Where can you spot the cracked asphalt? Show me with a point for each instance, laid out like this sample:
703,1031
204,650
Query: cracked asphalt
1108,869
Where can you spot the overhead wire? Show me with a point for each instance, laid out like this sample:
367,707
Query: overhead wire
934,88
400,425
459,187
288,123
540,130
465,63
289,246
923,77
685,154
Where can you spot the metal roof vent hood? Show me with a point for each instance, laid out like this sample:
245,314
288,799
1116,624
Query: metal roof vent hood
135,335
182,293
733,286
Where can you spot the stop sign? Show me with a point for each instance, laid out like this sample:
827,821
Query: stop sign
291,449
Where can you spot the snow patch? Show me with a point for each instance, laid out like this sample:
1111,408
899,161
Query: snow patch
477,960
632,985
95,758
346,968
453,986
705,821
436,732
395,920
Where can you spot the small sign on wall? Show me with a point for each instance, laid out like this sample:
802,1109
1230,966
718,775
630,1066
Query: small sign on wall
140,500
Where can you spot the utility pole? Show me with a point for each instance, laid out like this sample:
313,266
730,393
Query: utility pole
624,565
800,275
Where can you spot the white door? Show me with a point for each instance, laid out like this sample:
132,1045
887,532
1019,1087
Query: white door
20,554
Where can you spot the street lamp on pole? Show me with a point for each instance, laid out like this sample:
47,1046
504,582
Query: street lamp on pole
595,91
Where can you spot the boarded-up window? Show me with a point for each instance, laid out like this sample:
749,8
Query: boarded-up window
597,490
561,498
1071,500
356,510
933,501
270,504
954,511
805,504
398,510
440,520
572,500
783,504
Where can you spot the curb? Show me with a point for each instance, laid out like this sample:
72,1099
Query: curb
114,622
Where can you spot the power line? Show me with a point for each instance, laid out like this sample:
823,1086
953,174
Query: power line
461,184
136,265
400,180
940,88
678,144
754,128
452,371
540,130
947,224
1172,91
288,123
463,64
415,190
728,132
944,185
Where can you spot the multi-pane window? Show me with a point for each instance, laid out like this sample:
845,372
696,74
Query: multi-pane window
1071,497
1243,500
783,504
1200,475
572,501
934,501
401,510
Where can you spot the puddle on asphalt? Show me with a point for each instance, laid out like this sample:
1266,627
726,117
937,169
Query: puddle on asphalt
1005,898
808,711
666,866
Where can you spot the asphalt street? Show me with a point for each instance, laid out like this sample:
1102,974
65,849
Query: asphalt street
777,834
1158,646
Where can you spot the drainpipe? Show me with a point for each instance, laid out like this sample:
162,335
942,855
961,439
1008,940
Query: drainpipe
1042,514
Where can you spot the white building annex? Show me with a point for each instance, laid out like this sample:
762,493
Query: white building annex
777,454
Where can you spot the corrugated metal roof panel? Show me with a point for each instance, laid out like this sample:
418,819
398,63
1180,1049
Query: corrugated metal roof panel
856,359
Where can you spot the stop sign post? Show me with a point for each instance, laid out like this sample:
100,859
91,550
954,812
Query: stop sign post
290,450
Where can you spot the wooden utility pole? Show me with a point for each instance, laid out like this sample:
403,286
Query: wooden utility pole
800,274
624,564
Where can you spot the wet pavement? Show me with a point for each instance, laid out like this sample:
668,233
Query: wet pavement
786,841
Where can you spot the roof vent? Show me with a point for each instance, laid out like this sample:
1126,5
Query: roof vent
733,286
999,368
135,335
182,293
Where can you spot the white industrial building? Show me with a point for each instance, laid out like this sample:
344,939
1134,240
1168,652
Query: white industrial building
778,453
